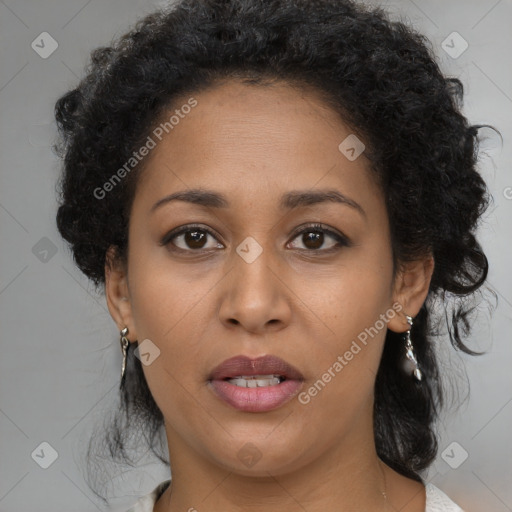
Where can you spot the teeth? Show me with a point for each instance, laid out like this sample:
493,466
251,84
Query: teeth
256,381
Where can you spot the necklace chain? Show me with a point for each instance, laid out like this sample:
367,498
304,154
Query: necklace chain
385,491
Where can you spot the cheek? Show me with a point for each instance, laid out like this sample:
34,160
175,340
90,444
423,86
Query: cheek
164,294
350,330
348,298
169,310
347,357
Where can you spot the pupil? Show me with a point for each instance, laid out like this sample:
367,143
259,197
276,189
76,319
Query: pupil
195,239
315,237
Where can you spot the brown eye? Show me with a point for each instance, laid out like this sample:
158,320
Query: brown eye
191,238
313,238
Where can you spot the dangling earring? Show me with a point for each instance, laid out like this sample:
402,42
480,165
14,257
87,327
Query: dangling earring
124,348
409,351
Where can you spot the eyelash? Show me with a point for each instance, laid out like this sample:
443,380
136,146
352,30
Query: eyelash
342,241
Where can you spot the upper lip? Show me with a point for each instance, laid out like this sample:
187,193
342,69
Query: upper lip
264,365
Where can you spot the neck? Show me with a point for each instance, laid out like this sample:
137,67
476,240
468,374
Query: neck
349,476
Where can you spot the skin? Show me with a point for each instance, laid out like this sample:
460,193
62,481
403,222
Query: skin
253,144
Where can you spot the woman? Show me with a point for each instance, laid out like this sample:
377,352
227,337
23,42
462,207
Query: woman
274,196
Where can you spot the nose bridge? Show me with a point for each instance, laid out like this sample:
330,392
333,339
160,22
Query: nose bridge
256,298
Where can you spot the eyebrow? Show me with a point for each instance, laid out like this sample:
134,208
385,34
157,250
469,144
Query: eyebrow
289,201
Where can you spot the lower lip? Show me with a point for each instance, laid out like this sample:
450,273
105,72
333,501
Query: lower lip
256,399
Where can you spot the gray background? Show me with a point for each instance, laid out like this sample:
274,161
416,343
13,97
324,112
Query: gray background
60,357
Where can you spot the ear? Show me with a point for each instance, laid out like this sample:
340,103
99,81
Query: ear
117,293
410,290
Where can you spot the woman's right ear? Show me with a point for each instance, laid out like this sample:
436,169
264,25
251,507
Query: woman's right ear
117,293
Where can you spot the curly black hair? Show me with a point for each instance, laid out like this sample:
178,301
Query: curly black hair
383,79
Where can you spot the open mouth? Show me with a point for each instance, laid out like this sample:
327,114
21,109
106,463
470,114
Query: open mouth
255,385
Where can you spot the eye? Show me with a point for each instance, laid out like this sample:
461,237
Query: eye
313,238
191,238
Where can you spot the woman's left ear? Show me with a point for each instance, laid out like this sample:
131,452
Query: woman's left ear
412,283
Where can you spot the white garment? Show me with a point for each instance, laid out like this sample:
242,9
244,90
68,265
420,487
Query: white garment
437,501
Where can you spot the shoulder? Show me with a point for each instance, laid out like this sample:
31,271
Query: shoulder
438,501
147,502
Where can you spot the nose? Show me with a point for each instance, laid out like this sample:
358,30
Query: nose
255,296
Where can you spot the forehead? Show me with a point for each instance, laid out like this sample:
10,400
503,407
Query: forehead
254,139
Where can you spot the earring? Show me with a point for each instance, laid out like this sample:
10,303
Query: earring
124,348
409,351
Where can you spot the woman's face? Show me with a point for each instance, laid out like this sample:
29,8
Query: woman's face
253,277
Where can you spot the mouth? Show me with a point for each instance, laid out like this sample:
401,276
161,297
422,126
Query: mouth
263,368
255,385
